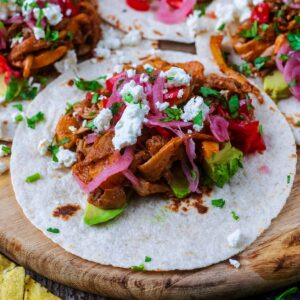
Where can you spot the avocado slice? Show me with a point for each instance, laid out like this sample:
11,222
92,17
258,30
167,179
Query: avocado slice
179,183
94,215
276,87
223,165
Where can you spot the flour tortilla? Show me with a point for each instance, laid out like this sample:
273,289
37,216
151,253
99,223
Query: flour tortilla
147,228
289,107
120,15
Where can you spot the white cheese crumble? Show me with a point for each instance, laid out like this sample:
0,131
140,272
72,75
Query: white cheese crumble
144,78
53,14
235,263
234,239
176,77
16,40
130,73
162,106
199,24
180,93
118,68
192,109
2,152
102,121
3,167
132,38
43,146
102,52
66,158
39,33
68,62
129,127
134,91
72,129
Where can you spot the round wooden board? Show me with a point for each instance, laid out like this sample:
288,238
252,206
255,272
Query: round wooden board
272,261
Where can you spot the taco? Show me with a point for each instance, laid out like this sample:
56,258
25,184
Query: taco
157,20
265,47
35,36
156,166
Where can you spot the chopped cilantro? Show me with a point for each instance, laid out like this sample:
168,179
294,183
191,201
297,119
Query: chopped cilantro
128,98
218,203
91,114
1,25
51,36
298,123
264,27
171,78
149,70
54,150
284,57
250,33
198,120
69,107
95,98
289,292
33,178
18,106
64,141
91,125
222,27
31,122
206,92
289,179
294,40
297,19
116,107
292,83
138,268
148,259
193,174
234,216
53,230
70,35
234,104
39,18
18,118
261,129
259,62
172,114
88,85
202,9
6,149
244,68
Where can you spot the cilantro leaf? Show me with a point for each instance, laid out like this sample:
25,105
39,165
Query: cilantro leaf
234,104
31,122
294,40
259,62
218,203
206,92
88,85
250,33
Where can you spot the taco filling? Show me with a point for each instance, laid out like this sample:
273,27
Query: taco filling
34,35
268,42
155,128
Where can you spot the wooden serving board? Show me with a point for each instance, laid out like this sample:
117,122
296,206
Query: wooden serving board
271,262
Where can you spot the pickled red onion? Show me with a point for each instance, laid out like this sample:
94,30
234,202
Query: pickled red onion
90,139
292,5
121,165
219,128
168,15
131,177
157,94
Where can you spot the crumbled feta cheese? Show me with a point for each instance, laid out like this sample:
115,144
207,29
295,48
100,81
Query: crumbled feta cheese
130,73
43,146
38,32
235,263
2,152
3,168
144,78
53,14
121,58
66,158
132,38
68,62
102,52
118,68
180,93
72,128
177,77
234,239
129,127
192,109
68,12
135,91
102,121
162,106
16,40
199,24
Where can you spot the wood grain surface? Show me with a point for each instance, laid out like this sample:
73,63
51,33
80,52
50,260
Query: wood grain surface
272,261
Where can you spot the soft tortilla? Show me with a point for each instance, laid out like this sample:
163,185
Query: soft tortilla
289,107
147,228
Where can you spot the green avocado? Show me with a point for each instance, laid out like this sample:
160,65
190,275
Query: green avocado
94,215
179,183
222,166
276,87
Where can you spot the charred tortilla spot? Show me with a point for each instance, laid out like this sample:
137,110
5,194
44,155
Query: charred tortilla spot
66,211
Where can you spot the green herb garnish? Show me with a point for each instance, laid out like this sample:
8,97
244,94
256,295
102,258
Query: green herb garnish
51,36
222,27
284,57
139,268
206,92
128,98
53,230
289,292
115,108
218,203
19,118
33,178
260,62
172,114
95,98
292,83
6,149
250,33
18,106
198,120
234,104
148,259
289,179
88,85
234,216
264,27
31,122
294,40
